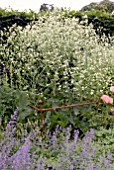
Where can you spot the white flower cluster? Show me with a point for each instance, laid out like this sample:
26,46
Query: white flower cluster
59,52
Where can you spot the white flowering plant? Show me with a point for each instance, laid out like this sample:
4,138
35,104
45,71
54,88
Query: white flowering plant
57,57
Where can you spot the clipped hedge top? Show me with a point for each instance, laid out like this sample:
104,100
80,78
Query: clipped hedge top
98,17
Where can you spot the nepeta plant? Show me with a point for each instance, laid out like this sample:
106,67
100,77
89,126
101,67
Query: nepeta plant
59,150
8,142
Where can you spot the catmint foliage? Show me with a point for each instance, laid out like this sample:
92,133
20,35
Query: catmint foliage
58,150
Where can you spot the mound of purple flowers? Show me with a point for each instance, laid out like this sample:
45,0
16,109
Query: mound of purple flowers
54,151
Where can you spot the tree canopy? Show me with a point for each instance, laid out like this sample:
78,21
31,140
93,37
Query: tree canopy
104,5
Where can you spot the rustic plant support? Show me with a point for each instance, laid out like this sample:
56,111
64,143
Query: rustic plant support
40,102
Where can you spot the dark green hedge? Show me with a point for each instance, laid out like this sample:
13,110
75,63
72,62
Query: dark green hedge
8,18
98,18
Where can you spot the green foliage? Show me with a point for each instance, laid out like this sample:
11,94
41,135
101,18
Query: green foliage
51,60
11,12
9,100
104,5
107,5
105,137
91,7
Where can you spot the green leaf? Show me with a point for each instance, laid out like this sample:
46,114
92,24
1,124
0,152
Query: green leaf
76,111
25,114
